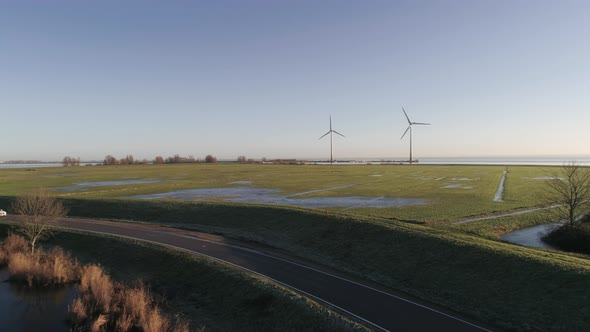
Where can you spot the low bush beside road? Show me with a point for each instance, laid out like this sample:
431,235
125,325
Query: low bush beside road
573,238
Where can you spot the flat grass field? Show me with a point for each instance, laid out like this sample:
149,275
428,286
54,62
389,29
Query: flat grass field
450,192
413,249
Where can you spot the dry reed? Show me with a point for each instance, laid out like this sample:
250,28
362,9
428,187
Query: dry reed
102,305
54,267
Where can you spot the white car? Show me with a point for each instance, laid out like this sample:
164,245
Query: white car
2,213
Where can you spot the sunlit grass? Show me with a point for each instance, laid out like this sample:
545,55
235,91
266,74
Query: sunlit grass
453,192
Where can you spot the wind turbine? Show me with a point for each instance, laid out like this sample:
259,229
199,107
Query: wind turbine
410,124
331,139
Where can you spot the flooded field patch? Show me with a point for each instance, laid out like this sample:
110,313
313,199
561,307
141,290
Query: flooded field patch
83,185
241,182
456,186
273,196
548,178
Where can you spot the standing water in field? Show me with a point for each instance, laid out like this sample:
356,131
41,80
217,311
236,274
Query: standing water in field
500,191
531,236
82,185
272,196
24,309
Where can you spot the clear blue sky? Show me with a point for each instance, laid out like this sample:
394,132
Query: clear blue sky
260,78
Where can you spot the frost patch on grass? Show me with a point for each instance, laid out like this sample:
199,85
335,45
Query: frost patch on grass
441,178
463,179
324,189
272,196
83,185
241,182
457,186
548,178
375,175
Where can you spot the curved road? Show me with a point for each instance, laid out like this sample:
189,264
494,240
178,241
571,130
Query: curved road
378,309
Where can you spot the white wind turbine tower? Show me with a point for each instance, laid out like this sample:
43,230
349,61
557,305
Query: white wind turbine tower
410,124
331,140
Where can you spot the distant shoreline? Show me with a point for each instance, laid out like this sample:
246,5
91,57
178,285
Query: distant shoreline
350,162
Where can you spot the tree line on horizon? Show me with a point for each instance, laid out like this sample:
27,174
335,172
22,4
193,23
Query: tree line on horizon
69,161
176,159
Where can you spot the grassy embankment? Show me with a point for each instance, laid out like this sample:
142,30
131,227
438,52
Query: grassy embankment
495,282
495,228
210,295
498,283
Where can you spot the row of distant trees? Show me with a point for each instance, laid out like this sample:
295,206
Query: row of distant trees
127,160
176,159
69,161
244,160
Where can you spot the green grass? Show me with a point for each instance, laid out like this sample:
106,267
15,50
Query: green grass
498,283
495,228
210,294
417,181
459,267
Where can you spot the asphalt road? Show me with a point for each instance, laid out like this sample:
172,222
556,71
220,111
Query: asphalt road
378,309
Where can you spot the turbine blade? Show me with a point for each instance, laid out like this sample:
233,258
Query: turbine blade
406,114
330,122
324,135
338,133
421,123
405,132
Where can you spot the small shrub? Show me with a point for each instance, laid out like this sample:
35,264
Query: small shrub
574,238
136,301
77,311
52,268
102,304
125,322
99,324
24,267
155,321
15,243
99,285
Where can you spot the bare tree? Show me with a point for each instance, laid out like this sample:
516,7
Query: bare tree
128,160
110,160
36,212
69,161
569,190
210,159
159,160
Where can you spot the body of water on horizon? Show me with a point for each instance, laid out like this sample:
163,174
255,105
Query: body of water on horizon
514,161
9,166
535,161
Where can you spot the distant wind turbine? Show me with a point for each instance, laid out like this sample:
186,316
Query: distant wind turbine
331,140
410,124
